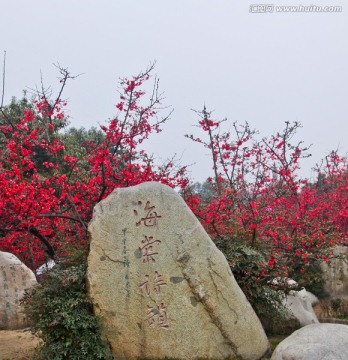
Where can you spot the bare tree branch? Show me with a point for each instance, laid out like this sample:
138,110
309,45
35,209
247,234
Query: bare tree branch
3,81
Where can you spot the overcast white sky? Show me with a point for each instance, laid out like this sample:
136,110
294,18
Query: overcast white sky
264,68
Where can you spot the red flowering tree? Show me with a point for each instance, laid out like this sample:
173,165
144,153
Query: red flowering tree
258,199
48,188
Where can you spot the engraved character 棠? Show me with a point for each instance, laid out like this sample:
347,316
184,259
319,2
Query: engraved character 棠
147,250
151,216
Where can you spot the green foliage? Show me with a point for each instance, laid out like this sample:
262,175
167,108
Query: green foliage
312,279
62,314
11,116
204,190
275,341
336,304
245,263
80,143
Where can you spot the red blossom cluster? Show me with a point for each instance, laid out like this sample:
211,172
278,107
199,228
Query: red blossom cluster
49,187
47,192
258,199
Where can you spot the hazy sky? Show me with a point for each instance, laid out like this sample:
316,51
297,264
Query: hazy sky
264,68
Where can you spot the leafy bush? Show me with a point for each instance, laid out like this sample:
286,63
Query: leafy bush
312,279
246,265
62,314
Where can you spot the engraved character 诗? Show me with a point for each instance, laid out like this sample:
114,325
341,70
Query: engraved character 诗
158,282
145,285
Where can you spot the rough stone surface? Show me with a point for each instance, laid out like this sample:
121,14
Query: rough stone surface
15,277
315,342
299,304
336,274
313,299
161,286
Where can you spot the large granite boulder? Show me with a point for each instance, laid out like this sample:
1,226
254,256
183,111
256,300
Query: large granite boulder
315,342
15,278
160,285
335,274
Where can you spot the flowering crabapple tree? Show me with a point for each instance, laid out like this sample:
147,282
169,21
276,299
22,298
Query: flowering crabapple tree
260,201
50,183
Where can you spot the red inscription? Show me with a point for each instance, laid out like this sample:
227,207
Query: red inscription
157,283
145,285
147,249
151,216
157,317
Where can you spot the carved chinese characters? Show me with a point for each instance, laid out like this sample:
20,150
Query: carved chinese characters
157,316
15,277
157,312
156,284
160,286
146,248
151,217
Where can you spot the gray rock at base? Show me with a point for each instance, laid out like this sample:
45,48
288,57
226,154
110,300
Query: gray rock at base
299,305
160,285
335,274
315,342
50,264
312,299
15,277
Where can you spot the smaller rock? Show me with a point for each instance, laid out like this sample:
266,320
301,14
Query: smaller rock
15,278
313,299
315,342
45,267
288,283
299,304
335,274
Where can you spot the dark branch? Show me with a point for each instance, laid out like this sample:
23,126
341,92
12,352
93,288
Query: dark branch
50,251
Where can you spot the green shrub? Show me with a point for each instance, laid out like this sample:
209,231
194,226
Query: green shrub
336,304
62,314
312,279
245,263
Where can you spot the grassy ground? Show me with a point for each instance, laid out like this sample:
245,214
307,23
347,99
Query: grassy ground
19,344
